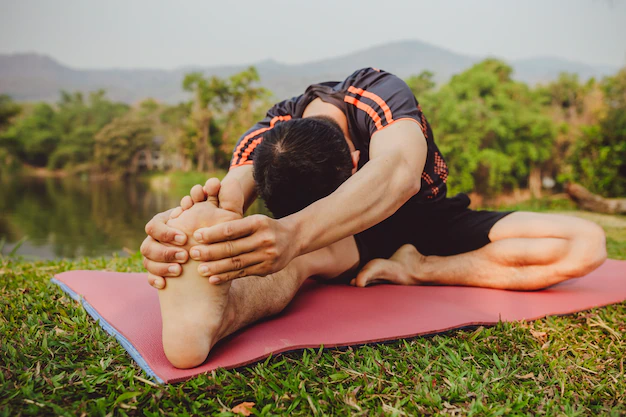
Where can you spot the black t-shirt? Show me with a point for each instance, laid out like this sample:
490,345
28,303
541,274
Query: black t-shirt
371,99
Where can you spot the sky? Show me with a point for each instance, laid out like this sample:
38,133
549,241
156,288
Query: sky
169,34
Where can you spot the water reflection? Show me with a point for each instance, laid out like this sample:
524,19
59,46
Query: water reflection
71,217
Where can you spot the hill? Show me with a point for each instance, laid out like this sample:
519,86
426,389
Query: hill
30,77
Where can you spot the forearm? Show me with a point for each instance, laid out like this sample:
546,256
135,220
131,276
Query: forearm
371,195
243,174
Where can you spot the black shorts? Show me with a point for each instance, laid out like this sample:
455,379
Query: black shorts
447,227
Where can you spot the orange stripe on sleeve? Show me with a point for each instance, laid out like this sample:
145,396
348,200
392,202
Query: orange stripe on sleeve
249,149
367,109
383,105
279,119
244,142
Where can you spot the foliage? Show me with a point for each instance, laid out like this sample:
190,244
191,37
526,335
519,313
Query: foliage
61,135
566,93
58,361
8,110
489,128
421,83
496,134
233,100
597,158
117,145
34,137
80,121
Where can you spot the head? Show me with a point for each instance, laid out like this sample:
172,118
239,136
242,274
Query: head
300,162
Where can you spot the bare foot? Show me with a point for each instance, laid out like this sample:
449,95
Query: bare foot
197,194
402,268
193,310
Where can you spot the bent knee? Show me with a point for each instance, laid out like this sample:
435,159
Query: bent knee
588,250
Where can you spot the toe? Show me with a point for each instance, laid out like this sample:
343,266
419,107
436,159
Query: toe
176,212
186,202
197,194
212,189
375,271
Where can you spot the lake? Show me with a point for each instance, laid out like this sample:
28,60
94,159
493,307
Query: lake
70,217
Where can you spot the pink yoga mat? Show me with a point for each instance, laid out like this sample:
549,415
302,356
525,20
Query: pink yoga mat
330,315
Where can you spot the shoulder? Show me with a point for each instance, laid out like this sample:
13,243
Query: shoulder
370,76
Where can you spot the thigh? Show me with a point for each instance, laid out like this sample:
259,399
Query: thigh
459,231
523,224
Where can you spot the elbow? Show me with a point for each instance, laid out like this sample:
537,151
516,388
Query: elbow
408,179
407,186
402,191
414,187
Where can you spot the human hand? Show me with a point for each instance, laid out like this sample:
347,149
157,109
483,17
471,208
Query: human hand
155,253
161,260
255,245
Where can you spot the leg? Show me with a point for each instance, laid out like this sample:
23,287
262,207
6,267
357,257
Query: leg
192,309
197,314
253,298
528,251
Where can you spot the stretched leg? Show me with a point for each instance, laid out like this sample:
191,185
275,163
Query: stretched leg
253,298
196,314
192,309
528,251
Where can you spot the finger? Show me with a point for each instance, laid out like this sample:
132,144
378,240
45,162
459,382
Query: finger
156,281
222,250
228,230
186,202
236,263
255,270
158,252
197,194
231,196
162,269
158,230
212,189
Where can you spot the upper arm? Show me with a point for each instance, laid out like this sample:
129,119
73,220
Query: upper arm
404,143
389,112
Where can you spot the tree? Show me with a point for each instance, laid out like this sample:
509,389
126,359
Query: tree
8,110
79,121
34,137
245,101
8,147
210,94
598,160
491,130
118,143
421,83
179,133
567,93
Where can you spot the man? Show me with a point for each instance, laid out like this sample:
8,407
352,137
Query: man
355,164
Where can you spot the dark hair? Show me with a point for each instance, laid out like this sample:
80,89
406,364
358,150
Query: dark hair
299,162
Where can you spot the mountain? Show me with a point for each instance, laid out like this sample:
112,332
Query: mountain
31,77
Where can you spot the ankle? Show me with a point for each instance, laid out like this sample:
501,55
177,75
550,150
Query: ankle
227,326
421,267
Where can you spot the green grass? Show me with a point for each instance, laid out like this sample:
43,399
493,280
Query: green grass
55,361
178,182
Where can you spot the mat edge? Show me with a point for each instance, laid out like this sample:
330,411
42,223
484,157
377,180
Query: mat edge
110,329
